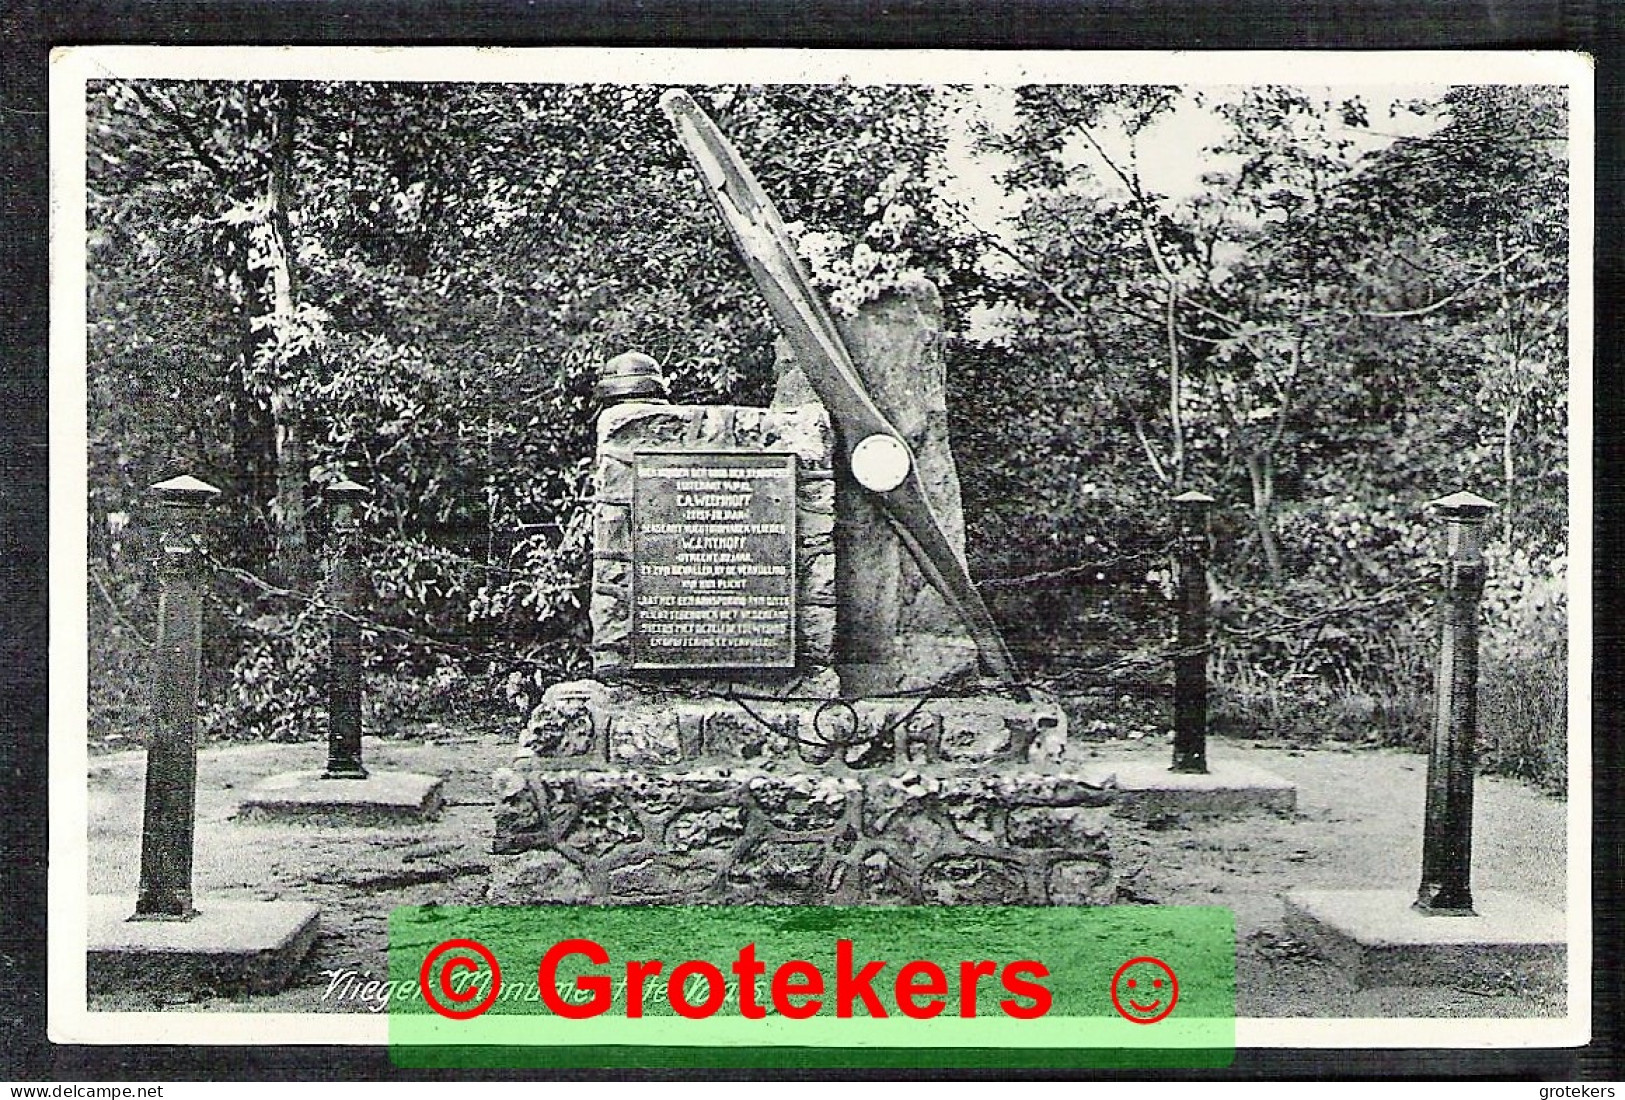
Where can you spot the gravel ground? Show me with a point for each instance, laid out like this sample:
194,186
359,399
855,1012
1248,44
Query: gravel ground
1358,824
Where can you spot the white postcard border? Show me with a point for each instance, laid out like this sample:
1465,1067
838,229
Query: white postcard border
69,1021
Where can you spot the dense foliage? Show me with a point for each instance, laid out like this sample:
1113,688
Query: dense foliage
412,284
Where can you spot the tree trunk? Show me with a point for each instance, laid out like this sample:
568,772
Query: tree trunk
267,443
1261,472
292,546
1176,399
253,458
253,432
1513,406
1509,469
293,558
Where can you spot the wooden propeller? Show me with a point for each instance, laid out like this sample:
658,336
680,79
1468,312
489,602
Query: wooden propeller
873,450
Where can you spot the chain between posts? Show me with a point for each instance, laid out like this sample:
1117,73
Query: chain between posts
440,555
1069,680
314,602
1104,565
1379,598
1167,652
1158,655
1285,622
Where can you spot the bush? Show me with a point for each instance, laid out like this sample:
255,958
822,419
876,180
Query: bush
1342,651
398,691
1523,672
276,688
119,686
1522,682
1303,710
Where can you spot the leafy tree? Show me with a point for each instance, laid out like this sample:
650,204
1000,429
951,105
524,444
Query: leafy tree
1325,326
1474,217
412,284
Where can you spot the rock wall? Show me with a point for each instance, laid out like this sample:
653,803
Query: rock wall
626,795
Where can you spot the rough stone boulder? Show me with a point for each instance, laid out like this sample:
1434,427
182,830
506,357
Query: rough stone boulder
894,632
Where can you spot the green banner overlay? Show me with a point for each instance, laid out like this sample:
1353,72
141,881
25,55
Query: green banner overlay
795,986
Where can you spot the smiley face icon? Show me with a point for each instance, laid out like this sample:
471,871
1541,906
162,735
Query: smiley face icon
1144,990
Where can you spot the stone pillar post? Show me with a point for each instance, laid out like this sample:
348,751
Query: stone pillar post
344,672
1192,513
169,809
1447,836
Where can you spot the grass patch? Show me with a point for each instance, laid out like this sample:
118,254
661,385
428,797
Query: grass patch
1522,713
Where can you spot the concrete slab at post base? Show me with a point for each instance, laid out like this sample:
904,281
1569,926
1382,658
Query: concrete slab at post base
383,798
230,946
1377,939
1147,788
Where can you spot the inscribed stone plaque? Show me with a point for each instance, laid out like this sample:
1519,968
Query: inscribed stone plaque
713,559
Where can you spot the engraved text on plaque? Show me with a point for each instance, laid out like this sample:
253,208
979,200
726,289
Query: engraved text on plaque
713,559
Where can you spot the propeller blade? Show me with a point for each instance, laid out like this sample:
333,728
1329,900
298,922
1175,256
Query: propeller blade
759,233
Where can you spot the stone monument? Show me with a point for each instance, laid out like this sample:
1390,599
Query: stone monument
798,695
719,755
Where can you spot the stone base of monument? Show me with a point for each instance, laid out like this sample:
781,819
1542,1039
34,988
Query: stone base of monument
622,796
1375,938
230,946
638,725
1147,788
383,798
744,835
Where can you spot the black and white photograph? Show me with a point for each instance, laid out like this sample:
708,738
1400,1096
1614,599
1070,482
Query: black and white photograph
762,478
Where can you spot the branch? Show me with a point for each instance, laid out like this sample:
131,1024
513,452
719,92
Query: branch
1457,296
1226,408
179,123
1236,324
1027,265
1133,185
1140,201
1186,334
1410,263
118,613
1083,245
1115,394
1285,393
1145,442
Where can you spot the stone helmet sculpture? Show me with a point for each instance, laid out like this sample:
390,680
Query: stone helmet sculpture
630,376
